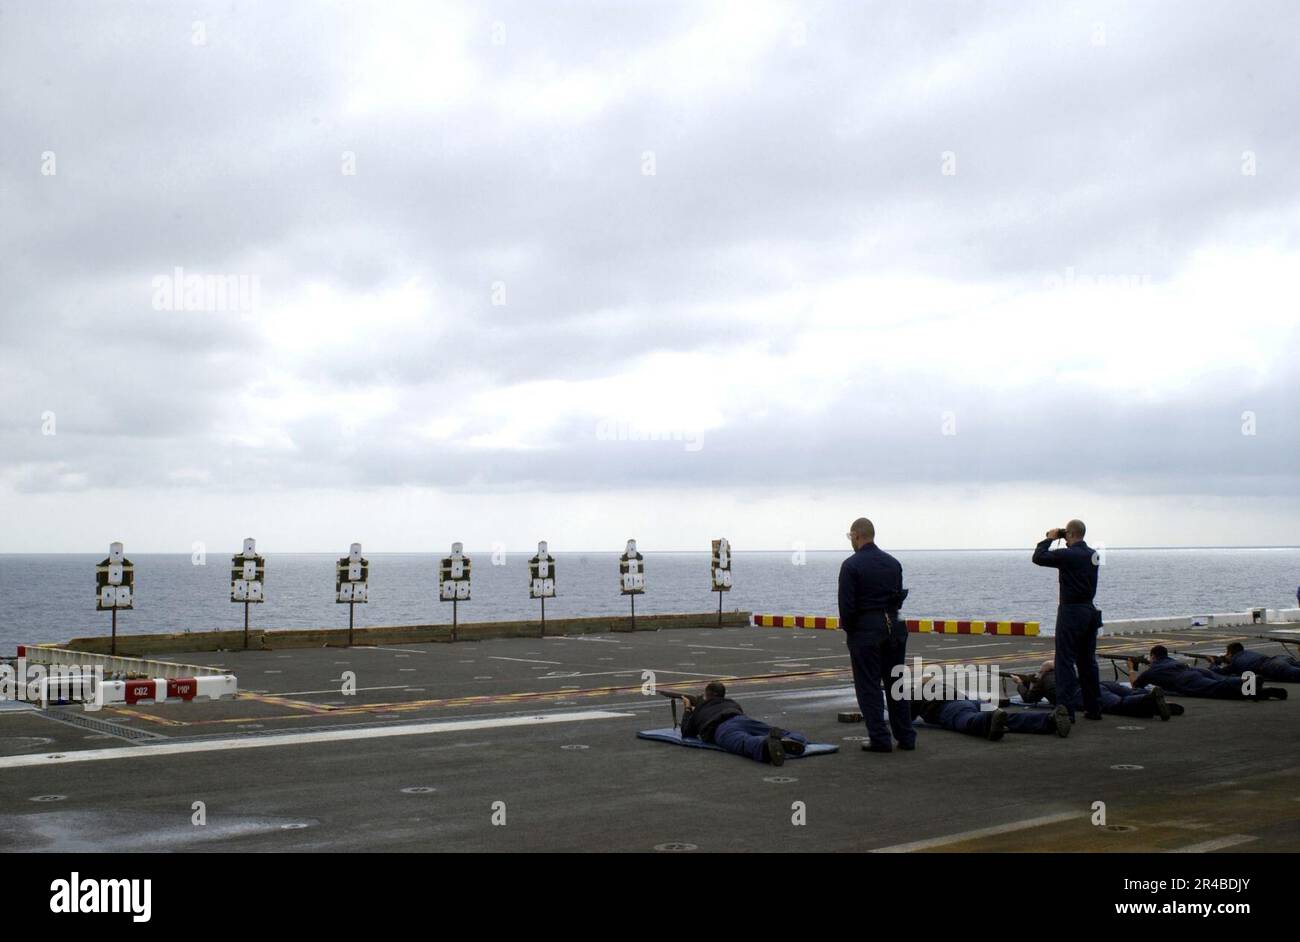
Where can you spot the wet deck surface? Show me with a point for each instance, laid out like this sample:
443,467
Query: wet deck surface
437,734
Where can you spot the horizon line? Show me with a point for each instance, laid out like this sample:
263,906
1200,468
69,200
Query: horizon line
644,551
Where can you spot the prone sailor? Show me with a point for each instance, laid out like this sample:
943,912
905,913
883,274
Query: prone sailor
1180,678
1280,667
1116,698
967,716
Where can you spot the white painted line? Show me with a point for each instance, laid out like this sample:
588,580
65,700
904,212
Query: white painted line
522,660
1212,786
982,832
1218,843
300,693
986,644
372,647
720,647
567,675
300,739
787,660
1184,825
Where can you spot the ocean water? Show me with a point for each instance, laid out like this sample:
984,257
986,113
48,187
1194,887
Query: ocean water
52,597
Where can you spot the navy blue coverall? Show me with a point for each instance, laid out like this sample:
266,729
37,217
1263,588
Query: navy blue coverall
1177,677
723,723
965,716
1077,624
1125,701
1279,667
746,736
871,593
1115,697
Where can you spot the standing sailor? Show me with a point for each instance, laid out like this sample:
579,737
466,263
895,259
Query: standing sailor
1077,619
871,593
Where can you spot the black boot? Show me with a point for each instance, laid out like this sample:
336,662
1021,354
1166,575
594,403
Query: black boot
997,725
792,747
773,751
1162,705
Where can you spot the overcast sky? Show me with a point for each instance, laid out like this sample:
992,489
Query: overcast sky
584,272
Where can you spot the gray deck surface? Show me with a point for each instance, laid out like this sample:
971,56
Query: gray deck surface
1226,776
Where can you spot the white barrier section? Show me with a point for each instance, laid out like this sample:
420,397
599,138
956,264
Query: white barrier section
1263,619
78,677
161,689
56,655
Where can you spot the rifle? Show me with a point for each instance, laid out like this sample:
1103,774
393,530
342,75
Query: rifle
1212,658
1139,658
674,696
1285,642
1028,679
1117,659
677,695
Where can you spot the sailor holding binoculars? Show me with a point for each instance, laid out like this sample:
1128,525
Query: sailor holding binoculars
1078,682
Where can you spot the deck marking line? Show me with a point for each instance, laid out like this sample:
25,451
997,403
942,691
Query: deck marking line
981,832
297,739
1218,843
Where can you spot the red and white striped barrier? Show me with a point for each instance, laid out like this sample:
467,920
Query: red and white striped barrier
73,676
917,625
164,689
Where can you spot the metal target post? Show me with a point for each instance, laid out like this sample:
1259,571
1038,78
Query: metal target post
114,587
247,580
454,583
721,571
541,579
352,583
631,572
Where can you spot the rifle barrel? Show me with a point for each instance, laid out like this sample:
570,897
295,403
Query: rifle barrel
674,695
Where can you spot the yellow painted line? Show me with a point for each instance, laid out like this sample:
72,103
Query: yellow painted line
286,702
139,715
406,706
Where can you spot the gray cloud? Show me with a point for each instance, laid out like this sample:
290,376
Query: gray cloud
778,173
